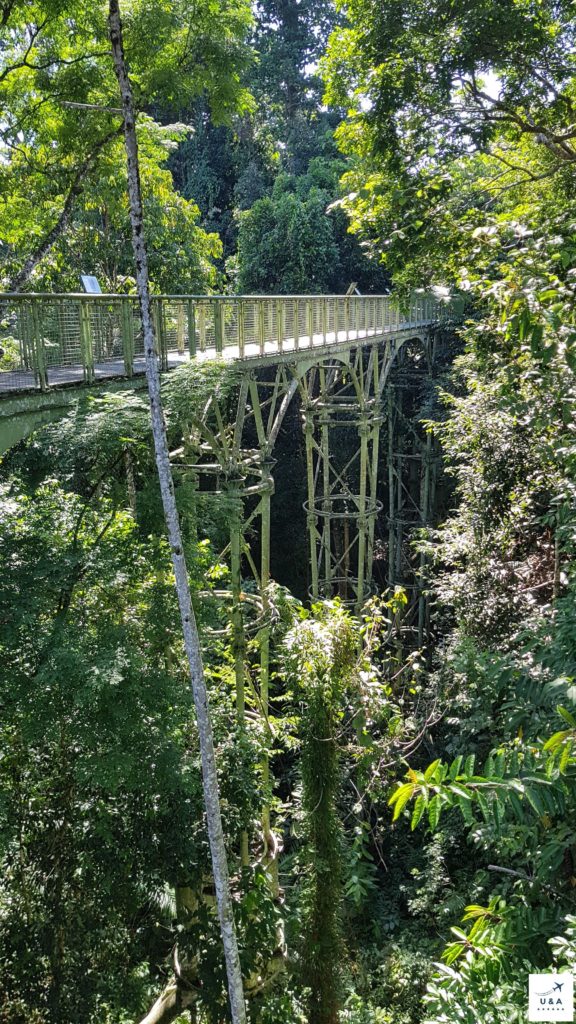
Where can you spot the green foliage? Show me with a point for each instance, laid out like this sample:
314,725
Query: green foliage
491,967
82,670
100,793
291,242
389,983
267,183
360,870
10,353
289,39
63,169
188,389
380,56
451,125
227,170
321,655
461,174
181,254
285,245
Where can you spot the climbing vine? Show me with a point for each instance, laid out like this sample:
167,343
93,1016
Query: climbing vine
321,657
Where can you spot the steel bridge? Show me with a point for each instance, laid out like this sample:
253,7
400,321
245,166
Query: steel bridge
344,358
358,368
51,340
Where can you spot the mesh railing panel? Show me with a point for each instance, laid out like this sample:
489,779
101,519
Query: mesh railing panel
64,339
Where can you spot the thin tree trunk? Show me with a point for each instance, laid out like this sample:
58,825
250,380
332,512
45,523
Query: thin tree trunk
189,629
76,187
172,1003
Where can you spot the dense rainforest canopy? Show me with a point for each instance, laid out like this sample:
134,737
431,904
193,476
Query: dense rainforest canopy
397,802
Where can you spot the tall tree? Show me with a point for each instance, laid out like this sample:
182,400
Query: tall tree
227,170
294,241
289,39
189,628
454,75
60,121
428,88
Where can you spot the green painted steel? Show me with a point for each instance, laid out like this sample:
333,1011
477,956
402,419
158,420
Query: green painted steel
335,352
23,413
48,340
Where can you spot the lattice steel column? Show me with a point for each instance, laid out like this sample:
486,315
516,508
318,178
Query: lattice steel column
341,421
391,486
374,445
311,518
271,842
425,508
236,517
232,462
411,465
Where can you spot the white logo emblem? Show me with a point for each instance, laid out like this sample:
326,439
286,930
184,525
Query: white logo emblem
551,997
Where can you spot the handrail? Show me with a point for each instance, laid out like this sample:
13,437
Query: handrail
185,295
50,339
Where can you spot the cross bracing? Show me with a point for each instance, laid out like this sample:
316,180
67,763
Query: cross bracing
350,404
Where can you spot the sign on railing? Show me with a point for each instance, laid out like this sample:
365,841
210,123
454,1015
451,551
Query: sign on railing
49,339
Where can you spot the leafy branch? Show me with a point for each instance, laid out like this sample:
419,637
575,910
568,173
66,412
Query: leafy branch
525,780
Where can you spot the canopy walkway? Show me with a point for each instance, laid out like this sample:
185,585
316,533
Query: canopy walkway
50,340
356,367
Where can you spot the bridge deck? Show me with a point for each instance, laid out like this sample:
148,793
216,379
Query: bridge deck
58,340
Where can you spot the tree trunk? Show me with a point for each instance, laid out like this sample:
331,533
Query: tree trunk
172,1003
189,629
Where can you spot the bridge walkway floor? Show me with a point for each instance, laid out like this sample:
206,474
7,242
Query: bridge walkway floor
267,353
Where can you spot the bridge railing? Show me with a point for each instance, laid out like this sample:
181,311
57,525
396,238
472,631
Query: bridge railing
51,339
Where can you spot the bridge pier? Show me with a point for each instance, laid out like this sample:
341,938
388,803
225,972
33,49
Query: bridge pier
342,417
411,461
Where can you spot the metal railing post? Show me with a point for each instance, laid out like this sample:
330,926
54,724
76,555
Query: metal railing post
241,328
26,343
191,329
310,321
261,326
297,325
161,340
38,346
280,324
218,326
202,325
180,327
86,341
127,327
